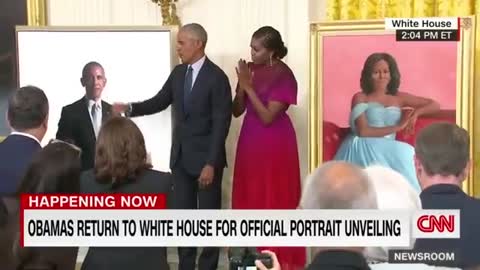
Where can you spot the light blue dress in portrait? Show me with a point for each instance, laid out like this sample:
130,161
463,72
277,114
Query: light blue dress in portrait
384,151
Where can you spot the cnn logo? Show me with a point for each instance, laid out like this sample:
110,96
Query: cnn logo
436,224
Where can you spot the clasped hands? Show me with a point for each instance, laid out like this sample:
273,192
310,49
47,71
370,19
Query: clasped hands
244,74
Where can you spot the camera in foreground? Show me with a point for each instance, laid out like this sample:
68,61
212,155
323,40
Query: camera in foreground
244,259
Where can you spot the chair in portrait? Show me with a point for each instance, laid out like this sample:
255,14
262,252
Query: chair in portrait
442,71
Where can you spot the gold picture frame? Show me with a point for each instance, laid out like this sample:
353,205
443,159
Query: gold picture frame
464,84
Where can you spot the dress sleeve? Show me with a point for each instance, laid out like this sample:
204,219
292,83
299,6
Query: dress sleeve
285,89
357,110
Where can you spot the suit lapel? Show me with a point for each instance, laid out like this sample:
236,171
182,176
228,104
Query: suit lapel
181,85
106,109
86,120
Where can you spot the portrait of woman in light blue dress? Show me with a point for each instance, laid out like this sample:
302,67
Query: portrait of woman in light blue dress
378,112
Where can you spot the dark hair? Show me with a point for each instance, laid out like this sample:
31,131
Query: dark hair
54,169
272,40
89,66
120,152
27,108
443,149
366,78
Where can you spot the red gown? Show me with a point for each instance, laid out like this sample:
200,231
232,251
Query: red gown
267,173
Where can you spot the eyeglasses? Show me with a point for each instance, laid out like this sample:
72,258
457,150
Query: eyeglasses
76,148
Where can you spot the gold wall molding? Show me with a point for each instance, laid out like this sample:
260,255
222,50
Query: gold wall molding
37,12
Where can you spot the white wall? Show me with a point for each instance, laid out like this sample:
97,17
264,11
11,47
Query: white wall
230,24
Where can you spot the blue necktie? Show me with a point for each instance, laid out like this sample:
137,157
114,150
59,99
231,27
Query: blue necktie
187,88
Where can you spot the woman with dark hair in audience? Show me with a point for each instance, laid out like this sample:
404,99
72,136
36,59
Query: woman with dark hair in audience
121,166
54,169
377,114
267,169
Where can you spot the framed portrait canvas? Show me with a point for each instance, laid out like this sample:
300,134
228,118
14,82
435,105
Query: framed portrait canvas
442,71
137,61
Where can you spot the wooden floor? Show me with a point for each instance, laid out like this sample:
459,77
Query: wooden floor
172,259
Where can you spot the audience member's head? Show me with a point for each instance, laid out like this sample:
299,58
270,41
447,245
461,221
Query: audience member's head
54,169
338,185
442,155
28,111
393,192
121,155
191,41
94,80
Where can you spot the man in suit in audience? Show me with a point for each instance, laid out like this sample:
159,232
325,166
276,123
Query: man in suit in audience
338,185
442,162
201,99
28,117
80,121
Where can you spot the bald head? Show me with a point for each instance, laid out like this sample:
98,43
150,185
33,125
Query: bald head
338,185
